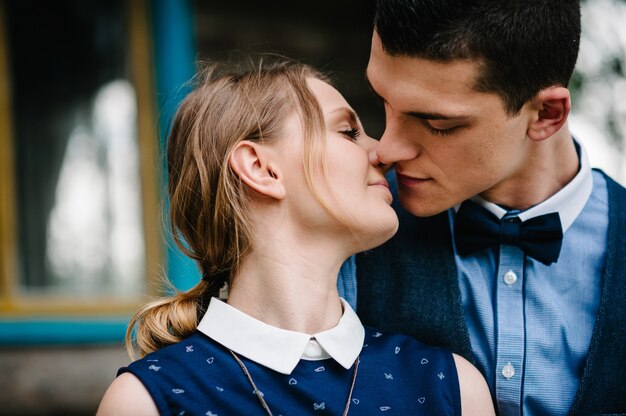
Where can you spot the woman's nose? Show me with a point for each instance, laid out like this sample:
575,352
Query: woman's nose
372,153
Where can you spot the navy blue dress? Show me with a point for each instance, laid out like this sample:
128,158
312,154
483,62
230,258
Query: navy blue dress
397,375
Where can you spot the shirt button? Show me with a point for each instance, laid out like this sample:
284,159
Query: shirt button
510,278
508,371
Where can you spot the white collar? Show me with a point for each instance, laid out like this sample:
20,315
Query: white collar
568,202
280,349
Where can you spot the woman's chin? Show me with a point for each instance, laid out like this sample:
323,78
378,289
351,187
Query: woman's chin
379,232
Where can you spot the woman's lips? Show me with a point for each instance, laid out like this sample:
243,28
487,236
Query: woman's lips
384,185
382,182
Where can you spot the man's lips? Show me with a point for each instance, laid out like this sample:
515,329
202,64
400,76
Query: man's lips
410,180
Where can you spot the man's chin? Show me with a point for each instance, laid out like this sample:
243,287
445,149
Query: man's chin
421,207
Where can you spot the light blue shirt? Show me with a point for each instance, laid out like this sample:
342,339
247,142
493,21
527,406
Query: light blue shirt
530,325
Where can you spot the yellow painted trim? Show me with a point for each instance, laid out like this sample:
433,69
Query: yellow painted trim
142,77
8,240
16,305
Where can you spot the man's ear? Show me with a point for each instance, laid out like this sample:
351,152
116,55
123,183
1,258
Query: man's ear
252,163
552,105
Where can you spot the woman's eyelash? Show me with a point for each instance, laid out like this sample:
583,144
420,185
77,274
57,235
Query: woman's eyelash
352,133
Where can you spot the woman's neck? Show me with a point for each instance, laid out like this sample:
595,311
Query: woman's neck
296,292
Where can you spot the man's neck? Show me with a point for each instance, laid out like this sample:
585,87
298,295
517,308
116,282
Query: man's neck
552,165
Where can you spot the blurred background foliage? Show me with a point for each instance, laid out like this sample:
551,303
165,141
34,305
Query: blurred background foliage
599,85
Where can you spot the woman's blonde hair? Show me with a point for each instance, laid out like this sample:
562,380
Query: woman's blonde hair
208,204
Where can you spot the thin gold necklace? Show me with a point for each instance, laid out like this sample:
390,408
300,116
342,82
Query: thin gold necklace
258,393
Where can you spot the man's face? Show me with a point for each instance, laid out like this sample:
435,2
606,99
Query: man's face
448,141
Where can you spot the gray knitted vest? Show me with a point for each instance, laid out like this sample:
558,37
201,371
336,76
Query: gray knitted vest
410,285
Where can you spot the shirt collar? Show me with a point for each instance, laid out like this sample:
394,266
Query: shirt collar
280,349
568,202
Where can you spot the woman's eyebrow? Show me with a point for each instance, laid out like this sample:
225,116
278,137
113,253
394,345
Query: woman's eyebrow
347,111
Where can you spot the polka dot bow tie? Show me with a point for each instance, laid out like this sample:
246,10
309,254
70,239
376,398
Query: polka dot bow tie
475,228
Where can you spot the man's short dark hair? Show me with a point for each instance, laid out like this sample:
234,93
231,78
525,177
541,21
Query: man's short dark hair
523,46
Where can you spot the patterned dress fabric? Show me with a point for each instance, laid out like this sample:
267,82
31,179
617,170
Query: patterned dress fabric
397,375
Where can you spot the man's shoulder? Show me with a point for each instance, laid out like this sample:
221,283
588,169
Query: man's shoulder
614,187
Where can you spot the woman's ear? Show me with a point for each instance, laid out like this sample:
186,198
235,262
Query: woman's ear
552,106
252,163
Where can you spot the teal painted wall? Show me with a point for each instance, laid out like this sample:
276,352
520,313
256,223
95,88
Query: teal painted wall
174,55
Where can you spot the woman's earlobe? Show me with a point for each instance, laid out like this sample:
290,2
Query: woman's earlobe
252,163
553,106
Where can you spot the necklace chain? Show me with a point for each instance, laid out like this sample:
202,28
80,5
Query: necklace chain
264,403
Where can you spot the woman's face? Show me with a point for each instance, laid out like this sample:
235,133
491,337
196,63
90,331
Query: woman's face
352,187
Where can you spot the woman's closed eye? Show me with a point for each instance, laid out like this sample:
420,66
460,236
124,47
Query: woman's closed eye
351,133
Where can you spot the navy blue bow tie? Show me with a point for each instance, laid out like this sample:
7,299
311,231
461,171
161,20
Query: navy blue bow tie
475,228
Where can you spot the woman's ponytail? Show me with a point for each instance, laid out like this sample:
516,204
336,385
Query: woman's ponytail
167,320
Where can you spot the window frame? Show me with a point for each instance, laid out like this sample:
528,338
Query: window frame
19,311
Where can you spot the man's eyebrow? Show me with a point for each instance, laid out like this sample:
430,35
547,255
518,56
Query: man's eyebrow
435,116
419,114
369,84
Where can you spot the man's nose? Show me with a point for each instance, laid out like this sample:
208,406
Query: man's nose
395,145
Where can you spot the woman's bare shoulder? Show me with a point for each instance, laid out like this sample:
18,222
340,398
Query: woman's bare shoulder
475,397
127,396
